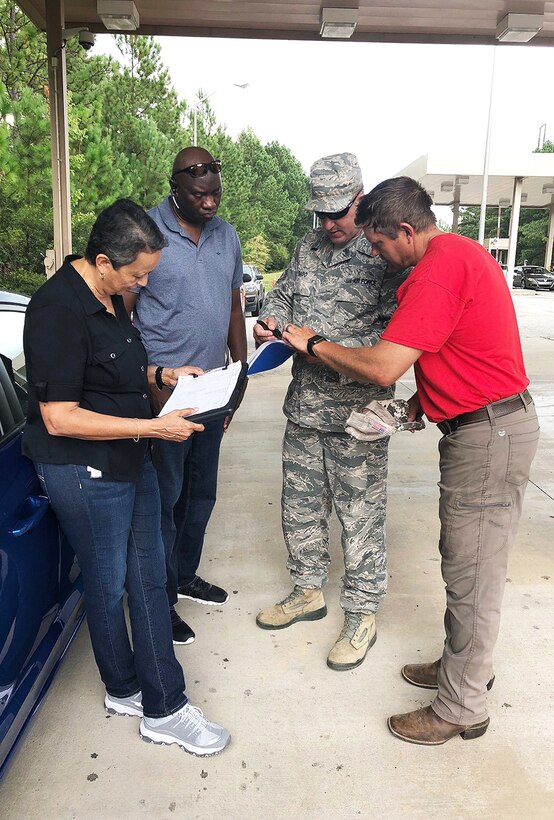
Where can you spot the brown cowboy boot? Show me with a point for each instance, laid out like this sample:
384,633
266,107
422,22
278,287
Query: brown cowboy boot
426,728
425,675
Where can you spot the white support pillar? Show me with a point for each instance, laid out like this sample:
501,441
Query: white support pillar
550,239
514,227
55,23
456,209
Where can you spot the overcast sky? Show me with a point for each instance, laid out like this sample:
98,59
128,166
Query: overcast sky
386,103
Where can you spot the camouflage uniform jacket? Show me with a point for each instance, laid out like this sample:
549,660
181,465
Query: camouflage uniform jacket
346,298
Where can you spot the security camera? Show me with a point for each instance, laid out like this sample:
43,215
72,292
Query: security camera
86,37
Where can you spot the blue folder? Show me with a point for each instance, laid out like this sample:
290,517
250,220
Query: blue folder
269,355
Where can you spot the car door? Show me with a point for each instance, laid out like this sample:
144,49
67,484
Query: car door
41,601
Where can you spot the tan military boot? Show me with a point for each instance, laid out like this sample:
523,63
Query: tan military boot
357,636
301,605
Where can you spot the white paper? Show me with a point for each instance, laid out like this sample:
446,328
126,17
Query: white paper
209,391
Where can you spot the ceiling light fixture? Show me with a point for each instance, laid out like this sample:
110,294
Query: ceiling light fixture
548,188
447,186
519,28
338,23
118,15
503,203
462,180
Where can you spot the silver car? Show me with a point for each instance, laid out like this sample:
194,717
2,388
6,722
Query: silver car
533,277
254,291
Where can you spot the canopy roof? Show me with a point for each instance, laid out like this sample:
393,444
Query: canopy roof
401,21
438,171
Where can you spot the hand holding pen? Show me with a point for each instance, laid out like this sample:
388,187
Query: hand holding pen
266,330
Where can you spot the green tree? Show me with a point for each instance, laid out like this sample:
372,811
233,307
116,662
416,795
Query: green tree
256,251
142,115
125,125
533,226
25,189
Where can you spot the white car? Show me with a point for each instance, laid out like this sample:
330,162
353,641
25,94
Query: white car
254,290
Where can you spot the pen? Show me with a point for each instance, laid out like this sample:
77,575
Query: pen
275,330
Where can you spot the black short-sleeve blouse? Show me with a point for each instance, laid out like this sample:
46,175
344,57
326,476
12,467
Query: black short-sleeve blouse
76,351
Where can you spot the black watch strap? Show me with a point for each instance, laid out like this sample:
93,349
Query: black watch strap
314,340
158,378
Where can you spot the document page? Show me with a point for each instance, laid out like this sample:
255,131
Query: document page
209,391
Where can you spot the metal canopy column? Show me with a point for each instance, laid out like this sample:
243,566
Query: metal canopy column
550,240
55,23
514,228
456,209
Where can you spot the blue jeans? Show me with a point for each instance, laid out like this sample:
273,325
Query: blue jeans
187,475
114,528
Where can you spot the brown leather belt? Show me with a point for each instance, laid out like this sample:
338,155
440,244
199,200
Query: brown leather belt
500,408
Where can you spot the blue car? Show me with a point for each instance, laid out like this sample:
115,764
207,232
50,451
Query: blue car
41,591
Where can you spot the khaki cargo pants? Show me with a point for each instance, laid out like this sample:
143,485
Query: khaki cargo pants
484,468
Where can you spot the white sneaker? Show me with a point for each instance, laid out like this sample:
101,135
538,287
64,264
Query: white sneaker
131,706
189,729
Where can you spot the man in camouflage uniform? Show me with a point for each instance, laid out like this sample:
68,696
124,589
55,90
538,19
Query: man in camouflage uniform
333,285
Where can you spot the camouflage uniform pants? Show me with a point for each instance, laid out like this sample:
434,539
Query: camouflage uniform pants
321,469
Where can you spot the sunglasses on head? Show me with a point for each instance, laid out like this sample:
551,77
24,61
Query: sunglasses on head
321,215
200,169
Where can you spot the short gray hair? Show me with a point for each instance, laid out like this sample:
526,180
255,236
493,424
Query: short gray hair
121,232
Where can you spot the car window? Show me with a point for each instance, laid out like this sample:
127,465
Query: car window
11,411
11,333
12,319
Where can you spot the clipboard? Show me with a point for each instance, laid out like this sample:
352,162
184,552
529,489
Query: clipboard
216,393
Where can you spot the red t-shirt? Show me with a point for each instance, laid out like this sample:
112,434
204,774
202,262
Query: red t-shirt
456,307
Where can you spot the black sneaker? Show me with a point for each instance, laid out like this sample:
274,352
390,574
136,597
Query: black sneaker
182,633
203,593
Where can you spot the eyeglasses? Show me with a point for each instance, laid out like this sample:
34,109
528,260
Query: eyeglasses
321,215
200,169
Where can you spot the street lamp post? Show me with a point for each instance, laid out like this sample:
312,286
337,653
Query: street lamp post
199,101
484,192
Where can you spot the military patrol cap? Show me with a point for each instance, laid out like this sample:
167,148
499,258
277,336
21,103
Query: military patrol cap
335,181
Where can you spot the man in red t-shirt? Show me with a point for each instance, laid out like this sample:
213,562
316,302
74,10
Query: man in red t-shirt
455,323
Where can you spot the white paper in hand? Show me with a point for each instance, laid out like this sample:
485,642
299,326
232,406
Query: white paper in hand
207,392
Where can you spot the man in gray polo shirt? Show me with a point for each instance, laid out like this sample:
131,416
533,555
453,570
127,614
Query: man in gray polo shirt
190,313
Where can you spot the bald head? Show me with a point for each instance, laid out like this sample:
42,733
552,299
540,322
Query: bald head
195,194
190,156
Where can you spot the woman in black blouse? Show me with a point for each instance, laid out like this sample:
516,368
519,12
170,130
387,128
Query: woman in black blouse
87,433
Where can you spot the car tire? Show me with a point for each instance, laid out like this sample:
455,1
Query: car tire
256,311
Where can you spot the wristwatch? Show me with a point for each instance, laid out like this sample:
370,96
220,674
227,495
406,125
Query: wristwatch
158,378
314,340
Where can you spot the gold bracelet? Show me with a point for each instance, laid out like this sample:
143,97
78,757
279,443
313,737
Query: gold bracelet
137,439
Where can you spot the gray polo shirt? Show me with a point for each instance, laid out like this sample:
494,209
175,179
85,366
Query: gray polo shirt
183,312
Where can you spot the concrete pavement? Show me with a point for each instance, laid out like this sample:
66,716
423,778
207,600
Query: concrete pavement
308,741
